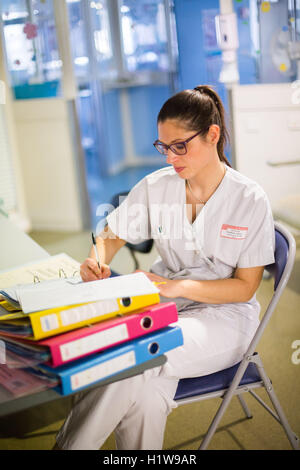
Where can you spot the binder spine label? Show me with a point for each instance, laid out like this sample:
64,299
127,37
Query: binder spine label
86,312
93,342
93,374
49,322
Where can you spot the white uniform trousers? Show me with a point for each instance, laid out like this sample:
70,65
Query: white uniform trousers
137,408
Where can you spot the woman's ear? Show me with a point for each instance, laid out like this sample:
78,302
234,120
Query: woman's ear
213,134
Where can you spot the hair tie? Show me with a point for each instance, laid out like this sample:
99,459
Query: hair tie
204,92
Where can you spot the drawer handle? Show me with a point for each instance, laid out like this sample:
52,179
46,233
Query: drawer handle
291,162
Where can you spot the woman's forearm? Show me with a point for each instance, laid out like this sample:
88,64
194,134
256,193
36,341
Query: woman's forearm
219,291
108,245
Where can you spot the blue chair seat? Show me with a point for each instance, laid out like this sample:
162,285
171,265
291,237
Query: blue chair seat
214,382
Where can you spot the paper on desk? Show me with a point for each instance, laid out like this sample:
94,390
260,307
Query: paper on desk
62,293
11,293
48,268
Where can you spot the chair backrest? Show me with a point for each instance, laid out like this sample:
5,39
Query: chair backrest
115,201
285,252
142,247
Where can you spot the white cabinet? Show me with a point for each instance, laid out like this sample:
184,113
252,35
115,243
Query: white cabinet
266,137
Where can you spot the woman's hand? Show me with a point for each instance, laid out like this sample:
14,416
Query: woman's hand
167,288
89,270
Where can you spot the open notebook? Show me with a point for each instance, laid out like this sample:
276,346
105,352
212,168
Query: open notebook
61,265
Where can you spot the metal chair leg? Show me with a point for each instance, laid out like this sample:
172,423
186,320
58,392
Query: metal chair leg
135,260
225,402
214,424
292,437
244,406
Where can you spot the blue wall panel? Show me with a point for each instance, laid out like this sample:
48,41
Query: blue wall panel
113,126
190,40
145,103
199,60
246,58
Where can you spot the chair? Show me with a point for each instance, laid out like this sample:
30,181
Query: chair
249,373
143,247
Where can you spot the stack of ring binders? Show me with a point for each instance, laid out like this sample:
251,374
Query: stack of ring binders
71,347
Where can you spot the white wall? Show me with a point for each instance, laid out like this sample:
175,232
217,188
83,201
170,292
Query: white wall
48,152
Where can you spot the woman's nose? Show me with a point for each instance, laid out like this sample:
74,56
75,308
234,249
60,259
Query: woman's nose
171,157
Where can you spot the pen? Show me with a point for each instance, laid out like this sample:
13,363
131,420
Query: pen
95,249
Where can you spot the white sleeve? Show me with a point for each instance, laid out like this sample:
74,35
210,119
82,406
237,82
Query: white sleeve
130,220
259,245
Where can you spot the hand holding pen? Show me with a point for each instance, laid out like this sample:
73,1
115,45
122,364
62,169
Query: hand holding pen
92,269
96,251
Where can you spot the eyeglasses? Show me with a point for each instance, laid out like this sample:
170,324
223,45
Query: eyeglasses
179,148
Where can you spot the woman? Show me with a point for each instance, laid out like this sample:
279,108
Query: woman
214,232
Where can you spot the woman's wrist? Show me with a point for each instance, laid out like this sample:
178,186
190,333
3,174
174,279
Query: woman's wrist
183,285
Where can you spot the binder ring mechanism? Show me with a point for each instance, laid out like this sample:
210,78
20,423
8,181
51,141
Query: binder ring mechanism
126,301
153,348
61,274
146,323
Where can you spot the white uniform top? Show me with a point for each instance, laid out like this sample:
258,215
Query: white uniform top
234,229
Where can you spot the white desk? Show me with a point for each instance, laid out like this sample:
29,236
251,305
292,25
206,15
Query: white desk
17,247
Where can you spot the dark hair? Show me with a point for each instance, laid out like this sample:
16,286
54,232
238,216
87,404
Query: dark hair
198,109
